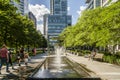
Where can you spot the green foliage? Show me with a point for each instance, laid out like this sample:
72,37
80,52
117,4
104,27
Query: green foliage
97,27
17,30
118,53
111,58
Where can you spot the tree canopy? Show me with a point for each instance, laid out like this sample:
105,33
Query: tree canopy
96,27
16,29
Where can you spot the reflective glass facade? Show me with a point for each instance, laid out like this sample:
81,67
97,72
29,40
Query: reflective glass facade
92,4
56,24
58,7
23,6
57,20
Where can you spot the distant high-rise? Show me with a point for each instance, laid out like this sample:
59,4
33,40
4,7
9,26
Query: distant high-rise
56,21
58,7
108,2
92,4
33,18
22,6
16,5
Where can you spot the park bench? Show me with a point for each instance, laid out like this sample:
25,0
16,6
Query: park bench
99,57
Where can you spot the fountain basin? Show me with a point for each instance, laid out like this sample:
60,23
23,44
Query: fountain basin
62,68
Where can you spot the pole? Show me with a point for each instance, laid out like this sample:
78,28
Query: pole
48,45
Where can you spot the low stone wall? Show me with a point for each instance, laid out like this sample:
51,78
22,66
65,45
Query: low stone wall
78,68
33,70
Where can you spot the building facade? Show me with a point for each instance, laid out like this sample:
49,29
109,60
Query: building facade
92,4
108,2
22,6
33,18
16,5
58,7
56,21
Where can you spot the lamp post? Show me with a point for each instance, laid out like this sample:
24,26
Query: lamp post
65,44
48,46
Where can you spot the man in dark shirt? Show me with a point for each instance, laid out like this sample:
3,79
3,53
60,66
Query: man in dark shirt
4,57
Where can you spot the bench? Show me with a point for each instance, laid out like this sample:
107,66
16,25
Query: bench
99,57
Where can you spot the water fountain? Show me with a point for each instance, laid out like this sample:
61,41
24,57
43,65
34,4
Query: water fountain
58,66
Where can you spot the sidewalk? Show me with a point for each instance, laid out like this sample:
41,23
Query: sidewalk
14,74
103,70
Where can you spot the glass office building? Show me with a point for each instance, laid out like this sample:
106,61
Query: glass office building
56,24
92,4
56,21
58,7
22,6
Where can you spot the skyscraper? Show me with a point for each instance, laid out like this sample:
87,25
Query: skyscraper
56,21
108,2
92,4
58,7
33,18
22,6
16,5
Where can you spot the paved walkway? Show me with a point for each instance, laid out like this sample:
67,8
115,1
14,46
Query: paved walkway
33,63
104,70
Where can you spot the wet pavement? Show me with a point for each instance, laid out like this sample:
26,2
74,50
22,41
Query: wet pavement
58,66
103,70
14,74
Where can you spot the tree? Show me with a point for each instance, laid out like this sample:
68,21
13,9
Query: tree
97,27
15,29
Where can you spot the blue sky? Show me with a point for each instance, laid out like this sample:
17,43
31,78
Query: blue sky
40,7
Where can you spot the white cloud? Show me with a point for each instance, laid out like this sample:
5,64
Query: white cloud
82,8
40,27
39,11
68,8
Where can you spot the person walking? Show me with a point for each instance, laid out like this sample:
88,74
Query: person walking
26,57
22,54
34,51
10,57
18,58
4,58
93,53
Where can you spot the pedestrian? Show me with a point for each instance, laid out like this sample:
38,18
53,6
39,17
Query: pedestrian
22,54
18,57
92,55
34,51
26,57
10,57
4,57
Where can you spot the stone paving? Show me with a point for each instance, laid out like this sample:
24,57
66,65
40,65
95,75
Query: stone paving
103,70
15,73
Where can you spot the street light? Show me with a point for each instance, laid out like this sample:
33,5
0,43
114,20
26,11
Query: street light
48,45
65,44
